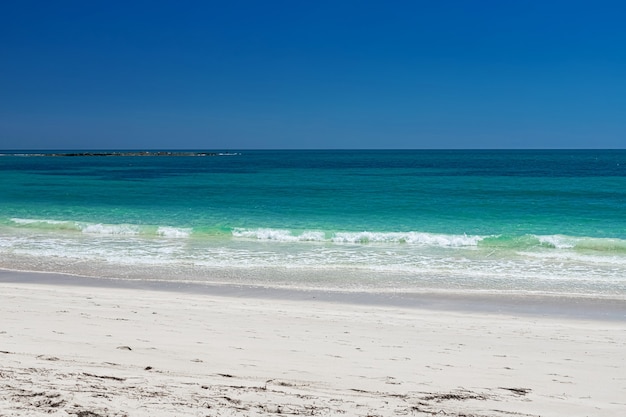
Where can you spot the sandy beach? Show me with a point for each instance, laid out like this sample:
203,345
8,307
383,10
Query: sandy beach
91,351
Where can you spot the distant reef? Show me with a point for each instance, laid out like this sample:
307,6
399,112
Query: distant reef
131,153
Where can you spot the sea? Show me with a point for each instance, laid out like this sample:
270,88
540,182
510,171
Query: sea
549,222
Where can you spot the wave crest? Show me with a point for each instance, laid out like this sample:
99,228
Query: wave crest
492,242
412,238
175,232
103,228
111,229
558,242
279,235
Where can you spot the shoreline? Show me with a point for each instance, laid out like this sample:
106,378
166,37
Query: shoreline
108,351
533,305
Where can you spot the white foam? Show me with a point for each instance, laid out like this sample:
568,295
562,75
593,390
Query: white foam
562,263
557,241
414,238
312,236
279,235
173,232
582,258
34,221
584,243
106,229
111,229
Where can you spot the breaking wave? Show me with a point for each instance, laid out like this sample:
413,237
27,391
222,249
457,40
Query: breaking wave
102,228
413,238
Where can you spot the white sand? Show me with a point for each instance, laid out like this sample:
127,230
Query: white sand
86,351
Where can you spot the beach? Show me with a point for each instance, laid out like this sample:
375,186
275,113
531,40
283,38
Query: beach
354,283
94,350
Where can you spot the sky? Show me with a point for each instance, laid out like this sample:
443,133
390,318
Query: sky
312,74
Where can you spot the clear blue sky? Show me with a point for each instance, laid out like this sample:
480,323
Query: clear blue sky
312,74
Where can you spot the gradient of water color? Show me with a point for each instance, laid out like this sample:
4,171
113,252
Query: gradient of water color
497,221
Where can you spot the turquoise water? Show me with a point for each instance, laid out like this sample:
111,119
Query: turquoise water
514,221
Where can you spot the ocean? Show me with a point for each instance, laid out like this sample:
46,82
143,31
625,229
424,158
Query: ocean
398,221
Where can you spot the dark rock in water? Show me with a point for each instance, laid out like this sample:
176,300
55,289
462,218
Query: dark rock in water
133,153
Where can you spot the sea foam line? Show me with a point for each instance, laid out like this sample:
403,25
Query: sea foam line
103,228
414,238
495,242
